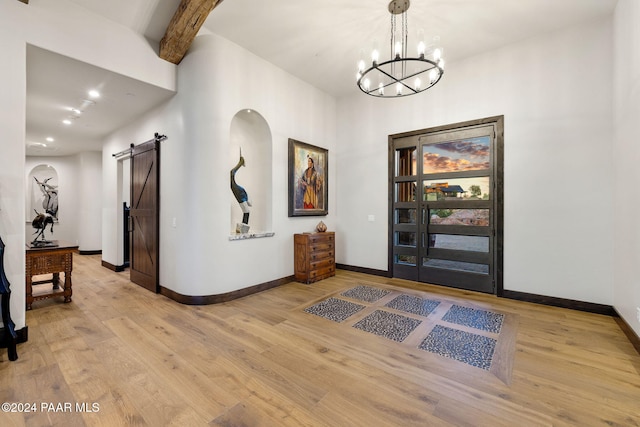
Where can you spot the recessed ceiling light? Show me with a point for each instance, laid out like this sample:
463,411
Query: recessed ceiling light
66,121
94,93
50,139
40,147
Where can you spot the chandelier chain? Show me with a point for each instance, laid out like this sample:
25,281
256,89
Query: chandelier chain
405,32
393,40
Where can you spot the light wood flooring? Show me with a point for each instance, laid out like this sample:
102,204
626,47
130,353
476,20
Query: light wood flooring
145,360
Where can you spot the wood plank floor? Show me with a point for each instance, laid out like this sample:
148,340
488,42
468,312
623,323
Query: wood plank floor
134,358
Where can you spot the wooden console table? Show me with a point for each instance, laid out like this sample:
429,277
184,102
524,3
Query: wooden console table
49,260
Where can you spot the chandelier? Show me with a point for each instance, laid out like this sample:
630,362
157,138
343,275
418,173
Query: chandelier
402,75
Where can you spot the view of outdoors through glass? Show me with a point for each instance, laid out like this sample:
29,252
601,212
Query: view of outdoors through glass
456,156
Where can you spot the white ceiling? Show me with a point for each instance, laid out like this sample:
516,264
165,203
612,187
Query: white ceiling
319,41
56,83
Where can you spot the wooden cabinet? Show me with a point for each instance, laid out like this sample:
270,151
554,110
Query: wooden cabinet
314,256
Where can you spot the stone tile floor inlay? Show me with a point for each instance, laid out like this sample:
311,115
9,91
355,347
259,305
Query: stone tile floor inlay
415,305
474,318
334,309
475,350
389,325
365,293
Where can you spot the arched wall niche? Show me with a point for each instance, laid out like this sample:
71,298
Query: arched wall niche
36,198
251,134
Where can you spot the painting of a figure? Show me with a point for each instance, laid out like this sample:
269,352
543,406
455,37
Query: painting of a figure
308,173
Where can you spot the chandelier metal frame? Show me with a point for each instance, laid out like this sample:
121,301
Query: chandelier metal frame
408,75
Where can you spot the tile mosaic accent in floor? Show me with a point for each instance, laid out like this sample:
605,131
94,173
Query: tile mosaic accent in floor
334,309
474,318
411,304
365,293
440,335
475,350
389,325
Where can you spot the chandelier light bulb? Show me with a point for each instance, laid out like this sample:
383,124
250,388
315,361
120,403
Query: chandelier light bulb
433,75
437,54
421,48
398,89
358,76
361,65
375,55
366,84
398,50
381,89
417,84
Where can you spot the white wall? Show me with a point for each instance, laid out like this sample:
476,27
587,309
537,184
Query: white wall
89,201
67,29
626,156
555,94
12,123
216,80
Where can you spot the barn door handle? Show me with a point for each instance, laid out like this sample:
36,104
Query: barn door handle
130,225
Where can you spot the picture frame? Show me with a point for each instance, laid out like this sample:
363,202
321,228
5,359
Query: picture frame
308,179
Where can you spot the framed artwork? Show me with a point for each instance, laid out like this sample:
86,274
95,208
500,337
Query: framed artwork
308,179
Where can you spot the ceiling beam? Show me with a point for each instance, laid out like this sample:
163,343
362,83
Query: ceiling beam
184,26
24,1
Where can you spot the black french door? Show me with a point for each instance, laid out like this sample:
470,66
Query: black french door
446,215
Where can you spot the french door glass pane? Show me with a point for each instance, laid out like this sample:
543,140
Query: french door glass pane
476,188
405,259
405,216
469,267
456,156
405,192
406,161
459,243
405,238
475,217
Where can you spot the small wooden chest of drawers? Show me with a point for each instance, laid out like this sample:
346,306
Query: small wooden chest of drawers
314,256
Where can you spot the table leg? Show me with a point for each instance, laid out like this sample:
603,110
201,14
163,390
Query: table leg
56,281
29,291
67,285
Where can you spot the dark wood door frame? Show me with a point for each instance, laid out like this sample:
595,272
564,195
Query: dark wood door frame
498,189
